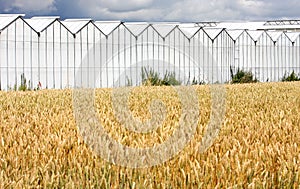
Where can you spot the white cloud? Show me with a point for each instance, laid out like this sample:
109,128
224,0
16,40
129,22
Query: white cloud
122,6
200,10
120,9
45,6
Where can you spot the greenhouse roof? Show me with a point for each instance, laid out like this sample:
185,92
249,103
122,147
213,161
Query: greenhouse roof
235,34
76,25
7,19
274,35
164,29
41,23
136,28
189,29
293,36
213,32
107,26
274,29
240,25
255,35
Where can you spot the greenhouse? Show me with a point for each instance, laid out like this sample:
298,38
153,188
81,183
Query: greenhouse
49,52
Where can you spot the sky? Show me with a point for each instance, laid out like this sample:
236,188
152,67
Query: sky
157,10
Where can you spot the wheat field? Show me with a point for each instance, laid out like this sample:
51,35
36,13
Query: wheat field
258,145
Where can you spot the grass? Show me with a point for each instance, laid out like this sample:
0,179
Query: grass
257,147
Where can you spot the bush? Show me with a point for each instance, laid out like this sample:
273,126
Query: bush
25,86
196,82
291,77
242,76
150,77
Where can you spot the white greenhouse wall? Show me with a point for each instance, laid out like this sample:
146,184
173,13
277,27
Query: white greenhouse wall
76,53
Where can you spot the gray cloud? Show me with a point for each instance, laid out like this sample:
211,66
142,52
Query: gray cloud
124,6
45,6
164,10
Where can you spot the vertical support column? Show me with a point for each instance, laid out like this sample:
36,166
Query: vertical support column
130,62
60,58
46,56
68,77
153,46
100,58
80,43
23,50
189,47
164,40
183,56
278,59
128,80
119,61
179,54
198,58
212,61
53,54
94,57
88,57
169,52
0,63
74,55
15,49
31,71
174,53
208,60
112,59
193,63
275,62
39,61
136,59
7,59
106,60
266,58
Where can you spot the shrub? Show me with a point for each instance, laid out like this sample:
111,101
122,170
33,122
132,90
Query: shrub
170,79
128,82
242,76
291,77
150,77
196,82
23,86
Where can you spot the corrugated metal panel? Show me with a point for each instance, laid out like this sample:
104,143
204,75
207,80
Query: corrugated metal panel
75,25
6,19
107,26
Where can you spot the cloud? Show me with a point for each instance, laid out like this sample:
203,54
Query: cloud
201,10
124,6
119,9
45,6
